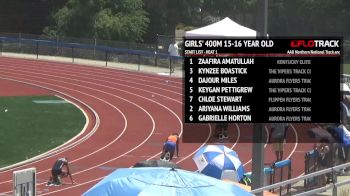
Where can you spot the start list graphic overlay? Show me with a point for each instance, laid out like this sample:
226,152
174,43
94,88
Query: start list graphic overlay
262,80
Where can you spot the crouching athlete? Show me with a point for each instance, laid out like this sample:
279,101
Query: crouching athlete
58,172
171,144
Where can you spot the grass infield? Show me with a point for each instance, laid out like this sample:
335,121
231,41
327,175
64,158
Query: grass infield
30,126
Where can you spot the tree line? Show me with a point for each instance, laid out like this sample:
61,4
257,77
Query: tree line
141,20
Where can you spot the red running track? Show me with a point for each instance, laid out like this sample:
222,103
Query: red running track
130,114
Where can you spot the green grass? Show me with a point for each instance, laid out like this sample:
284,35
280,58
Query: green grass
346,68
28,129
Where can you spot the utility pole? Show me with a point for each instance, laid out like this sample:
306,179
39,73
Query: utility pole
258,130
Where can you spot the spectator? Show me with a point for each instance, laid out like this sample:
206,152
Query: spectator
173,52
173,49
344,104
278,133
342,135
323,161
344,111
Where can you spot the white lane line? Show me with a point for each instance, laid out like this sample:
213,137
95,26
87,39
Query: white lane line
109,88
125,121
100,178
114,95
121,73
101,80
92,76
102,70
238,136
124,129
63,146
125,126
58,148
296,141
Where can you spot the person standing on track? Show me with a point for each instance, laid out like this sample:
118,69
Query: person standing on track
171,144
58,172
277,137
174,53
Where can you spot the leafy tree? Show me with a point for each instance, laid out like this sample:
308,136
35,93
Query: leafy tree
103,19
26,16
309,17
165,15
141,20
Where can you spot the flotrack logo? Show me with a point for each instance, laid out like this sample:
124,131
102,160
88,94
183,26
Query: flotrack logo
314,43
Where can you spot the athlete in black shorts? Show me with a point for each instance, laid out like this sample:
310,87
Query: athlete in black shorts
58,172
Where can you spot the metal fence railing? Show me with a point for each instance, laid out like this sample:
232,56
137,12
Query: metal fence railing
277,172
311,166
282,171
313,163
333,185
89,41
99,50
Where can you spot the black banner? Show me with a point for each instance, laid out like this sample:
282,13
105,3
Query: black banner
262,80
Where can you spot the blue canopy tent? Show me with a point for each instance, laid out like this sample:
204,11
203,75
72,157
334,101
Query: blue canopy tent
153,181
